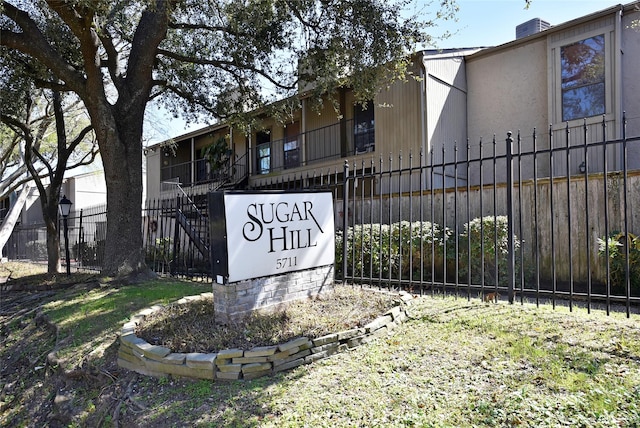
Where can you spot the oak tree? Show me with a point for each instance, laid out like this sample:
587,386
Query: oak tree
218,57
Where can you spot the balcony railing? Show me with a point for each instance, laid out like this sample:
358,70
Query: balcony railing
200,171
330,142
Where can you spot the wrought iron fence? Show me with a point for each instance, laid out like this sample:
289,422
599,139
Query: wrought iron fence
543,216
176,236
87,231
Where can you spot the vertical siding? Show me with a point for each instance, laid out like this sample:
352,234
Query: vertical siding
630,60
397,118
507,92
153,173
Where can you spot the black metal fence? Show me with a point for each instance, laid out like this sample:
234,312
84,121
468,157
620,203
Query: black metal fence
556,220
176,236
87,231
550,216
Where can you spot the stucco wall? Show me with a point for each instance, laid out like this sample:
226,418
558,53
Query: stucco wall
507,92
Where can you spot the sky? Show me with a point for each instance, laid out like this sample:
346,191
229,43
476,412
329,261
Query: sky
480,23
493,22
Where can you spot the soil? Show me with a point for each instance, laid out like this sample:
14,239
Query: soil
98,392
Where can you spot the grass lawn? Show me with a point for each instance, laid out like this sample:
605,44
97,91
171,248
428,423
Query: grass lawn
454,363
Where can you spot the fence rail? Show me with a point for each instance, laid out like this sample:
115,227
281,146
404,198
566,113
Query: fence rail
555,221
532,224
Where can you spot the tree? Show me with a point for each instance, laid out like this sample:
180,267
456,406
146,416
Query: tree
195,56
47,155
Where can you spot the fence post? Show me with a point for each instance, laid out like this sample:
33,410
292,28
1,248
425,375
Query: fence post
176,240
345,218
510,244
80,241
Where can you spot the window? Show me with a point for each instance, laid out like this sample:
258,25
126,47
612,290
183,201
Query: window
263,152
363,128
292,146
583,78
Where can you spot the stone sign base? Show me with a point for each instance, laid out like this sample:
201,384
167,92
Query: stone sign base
230,364
238,299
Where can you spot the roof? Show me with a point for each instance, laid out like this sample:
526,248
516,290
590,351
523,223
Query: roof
554,29
467,53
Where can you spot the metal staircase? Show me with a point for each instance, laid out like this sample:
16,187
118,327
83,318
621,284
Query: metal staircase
191,228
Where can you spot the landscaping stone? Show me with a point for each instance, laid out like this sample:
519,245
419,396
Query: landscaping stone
263,351
300,341
228,375
333,337
249,360
154,352
290,365
137,355
348,334
200,360
228,354
230,368
293,357
255,367
175,358
377,323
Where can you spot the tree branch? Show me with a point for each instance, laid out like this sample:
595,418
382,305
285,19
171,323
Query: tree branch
151,31
113,57
226,65
32,42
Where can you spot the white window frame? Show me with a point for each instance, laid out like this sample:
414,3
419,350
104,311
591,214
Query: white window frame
555,76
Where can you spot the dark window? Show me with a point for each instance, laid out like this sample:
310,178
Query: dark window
583,78
292,146
363,128
263,152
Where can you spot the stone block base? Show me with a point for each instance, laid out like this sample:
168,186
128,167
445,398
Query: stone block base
238,299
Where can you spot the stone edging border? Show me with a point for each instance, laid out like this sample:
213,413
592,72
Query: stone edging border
138,355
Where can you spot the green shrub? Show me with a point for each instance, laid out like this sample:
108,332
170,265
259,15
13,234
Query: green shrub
160,252
404,249
617,261
384,251
36,250
485,249
90,253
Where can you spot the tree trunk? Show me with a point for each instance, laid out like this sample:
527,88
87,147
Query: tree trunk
53,248
122,160
50,215
12,217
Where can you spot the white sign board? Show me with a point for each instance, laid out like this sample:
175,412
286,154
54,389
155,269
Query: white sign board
274,233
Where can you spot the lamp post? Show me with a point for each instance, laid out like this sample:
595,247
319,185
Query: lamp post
65,207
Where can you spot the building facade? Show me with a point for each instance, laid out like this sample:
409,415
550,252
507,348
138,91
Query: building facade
556,84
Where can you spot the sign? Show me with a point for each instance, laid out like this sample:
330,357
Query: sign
274,233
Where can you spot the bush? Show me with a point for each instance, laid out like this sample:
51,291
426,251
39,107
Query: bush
485,249
383,251
36,250
90,253
617,261
160,252
416,249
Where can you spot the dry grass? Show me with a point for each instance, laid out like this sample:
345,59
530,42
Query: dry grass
190,327
34,276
